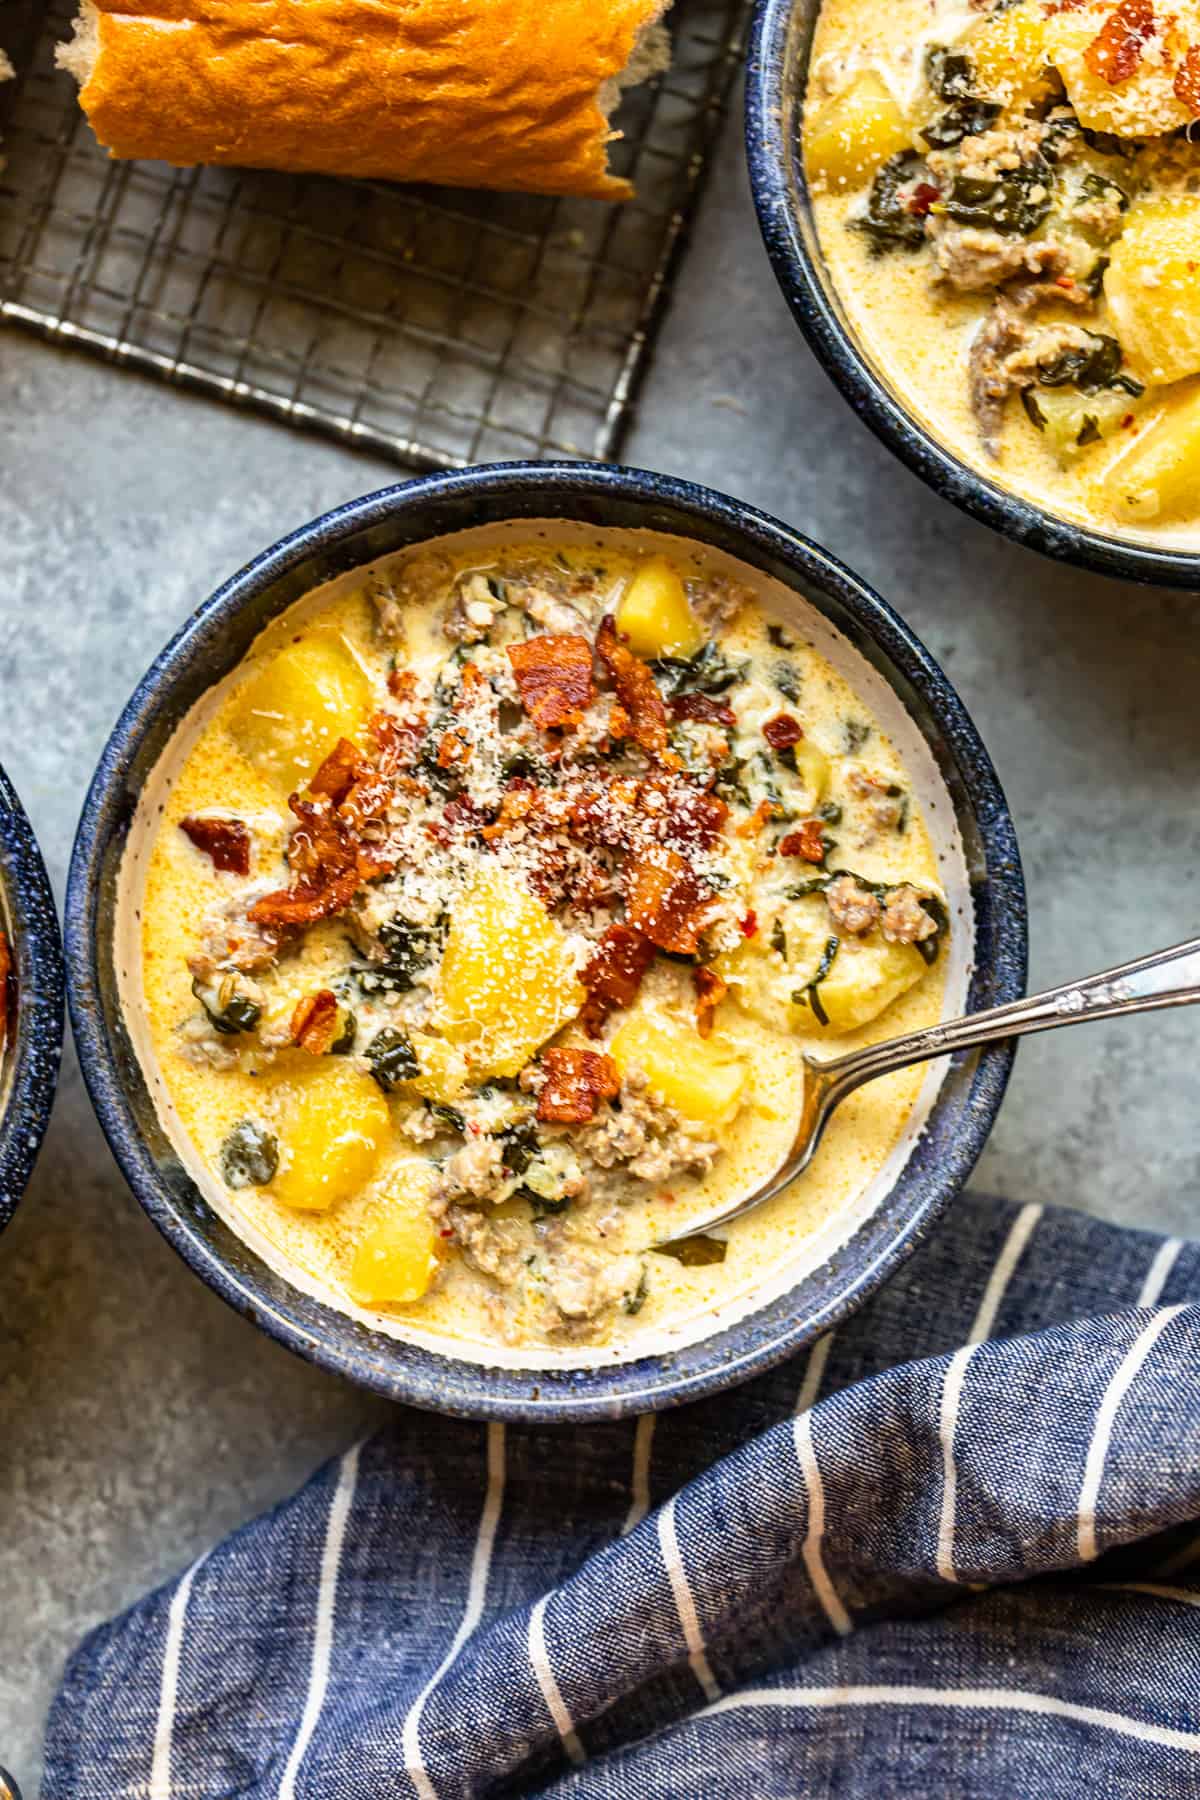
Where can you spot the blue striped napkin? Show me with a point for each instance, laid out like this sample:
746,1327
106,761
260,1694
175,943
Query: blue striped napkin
952,1550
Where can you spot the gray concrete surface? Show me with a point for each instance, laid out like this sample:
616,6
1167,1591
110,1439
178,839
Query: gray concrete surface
139,1418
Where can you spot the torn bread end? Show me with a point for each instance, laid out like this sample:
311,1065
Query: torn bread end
80,54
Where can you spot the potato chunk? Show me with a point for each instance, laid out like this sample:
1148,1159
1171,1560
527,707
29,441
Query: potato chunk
1008,53
1144,104
1153,288
396,1257
288,716
695,1075
335,1125
653,614
855,131
1157,479
857,982
508,978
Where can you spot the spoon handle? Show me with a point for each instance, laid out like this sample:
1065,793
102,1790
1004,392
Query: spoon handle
1167,978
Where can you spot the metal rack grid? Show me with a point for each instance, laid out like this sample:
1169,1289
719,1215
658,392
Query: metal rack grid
438,327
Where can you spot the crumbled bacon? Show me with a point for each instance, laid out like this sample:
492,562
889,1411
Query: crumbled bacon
314,1022
680,813
576,1081
344,765
809,842
1115,52
330,849
783,731
603,812
304,903
1187,81
666,901
553,674
614,975
704,709
226,841
761,817
711,989
6,964
637,692
397,741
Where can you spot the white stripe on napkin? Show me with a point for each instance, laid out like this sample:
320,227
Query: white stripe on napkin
551,1692
988,1699
331,1560
1117,1389
814,1372
818,1574
639,1504
481,1563
164,1729
1013,1248
1160,1268
685,1606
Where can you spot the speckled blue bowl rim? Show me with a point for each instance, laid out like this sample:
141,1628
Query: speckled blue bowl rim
203,650
777,44
28,913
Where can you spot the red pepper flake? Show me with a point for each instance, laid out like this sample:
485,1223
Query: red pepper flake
922,198
809,842
576,1081
703,709
749,925
1115,52
227,841
314,1022
614,974
783,731
553,674
1127,421
637,693
711,989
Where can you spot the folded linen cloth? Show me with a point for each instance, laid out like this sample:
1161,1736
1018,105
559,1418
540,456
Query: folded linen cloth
971,1572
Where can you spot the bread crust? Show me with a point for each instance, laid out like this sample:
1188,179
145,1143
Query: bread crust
468,93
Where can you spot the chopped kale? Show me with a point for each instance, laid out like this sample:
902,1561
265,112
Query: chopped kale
408,948
1093,281
930,947
779,637
787,679
830,811
249,1155
231,1013
519,1145
1015,202
965,118
810,995
633,1303
699,1252
1089,431
1089,367
710,671
949,73
887,220
392,1058
779,937
1033,411
856,731
1100,187
448,1116
346,1032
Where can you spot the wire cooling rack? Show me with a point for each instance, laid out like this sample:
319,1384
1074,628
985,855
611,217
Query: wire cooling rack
437,327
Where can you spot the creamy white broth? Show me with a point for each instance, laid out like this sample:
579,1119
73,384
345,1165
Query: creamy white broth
917,332
166,892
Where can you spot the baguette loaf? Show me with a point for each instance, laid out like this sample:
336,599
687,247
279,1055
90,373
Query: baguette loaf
470,93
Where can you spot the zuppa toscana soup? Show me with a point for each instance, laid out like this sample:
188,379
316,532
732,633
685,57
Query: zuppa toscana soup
483,916
1007,200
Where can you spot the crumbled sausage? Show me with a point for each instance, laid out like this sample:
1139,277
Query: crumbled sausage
853,908
905,920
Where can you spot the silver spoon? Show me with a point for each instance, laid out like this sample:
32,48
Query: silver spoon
1141,986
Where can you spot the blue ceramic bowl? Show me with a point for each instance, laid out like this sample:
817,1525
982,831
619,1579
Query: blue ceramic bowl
213,642
777,76
29,1069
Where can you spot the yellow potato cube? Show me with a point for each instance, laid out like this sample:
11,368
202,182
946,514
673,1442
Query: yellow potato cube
864,977
288,716
1157,479
848,137
335,1125
1008,54
1153,288
396,1258
508,978
695,1075
444,1071
1144,105
812,766
653,614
